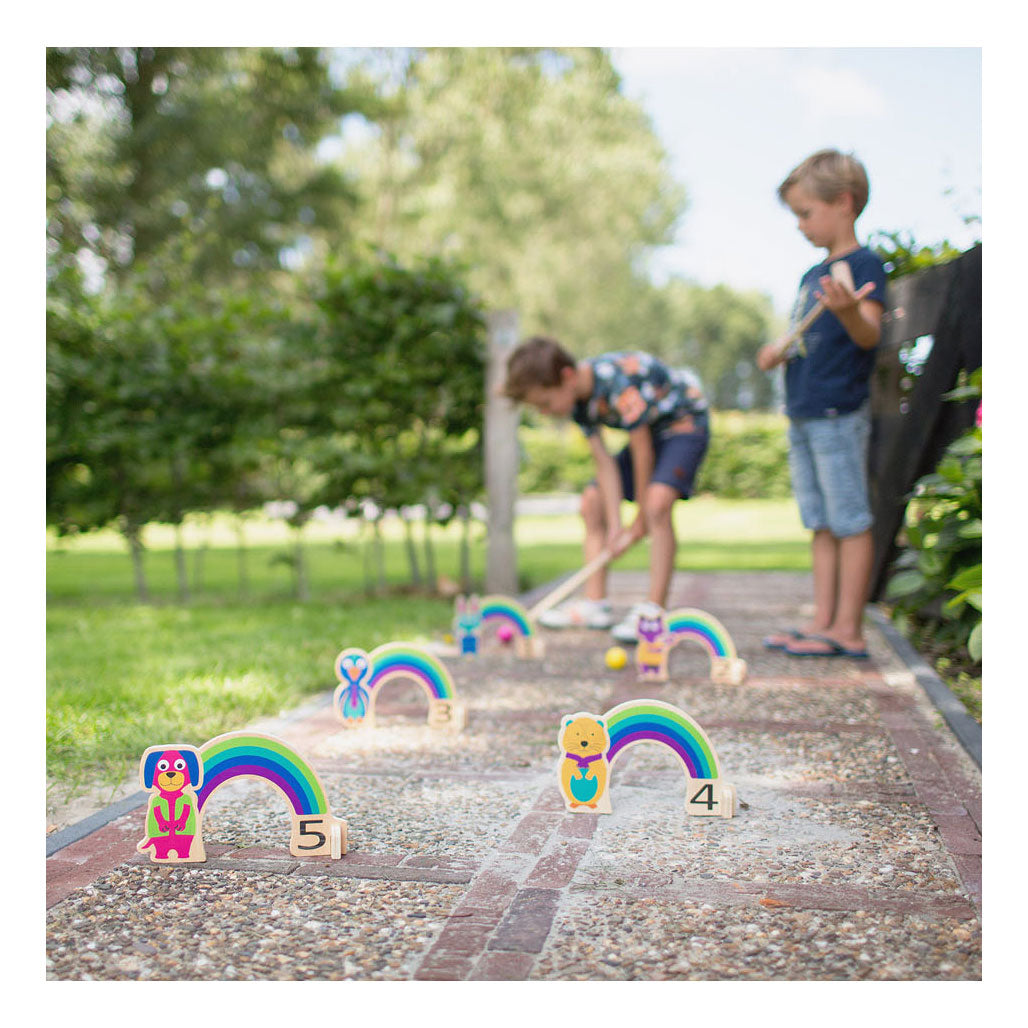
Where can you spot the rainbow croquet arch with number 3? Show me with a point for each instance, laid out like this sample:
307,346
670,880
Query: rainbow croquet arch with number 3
369,672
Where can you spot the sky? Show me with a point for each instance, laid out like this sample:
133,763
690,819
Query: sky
735,121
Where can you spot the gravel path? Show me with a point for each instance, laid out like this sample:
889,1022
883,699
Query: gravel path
855,853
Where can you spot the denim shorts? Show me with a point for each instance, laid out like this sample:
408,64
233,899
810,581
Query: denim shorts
676,459
828,464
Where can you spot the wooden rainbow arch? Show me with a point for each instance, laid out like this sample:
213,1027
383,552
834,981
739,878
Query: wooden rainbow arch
362,675
176,808
649,721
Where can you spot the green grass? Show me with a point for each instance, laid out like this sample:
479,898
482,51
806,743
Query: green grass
122,676
713,535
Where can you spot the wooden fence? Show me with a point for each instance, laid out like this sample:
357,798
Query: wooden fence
932,331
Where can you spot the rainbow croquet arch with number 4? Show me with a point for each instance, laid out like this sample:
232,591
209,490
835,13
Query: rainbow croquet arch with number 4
629,724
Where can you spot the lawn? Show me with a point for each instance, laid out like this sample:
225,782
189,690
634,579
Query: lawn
122,675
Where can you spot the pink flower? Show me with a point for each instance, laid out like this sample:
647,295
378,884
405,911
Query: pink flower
978,417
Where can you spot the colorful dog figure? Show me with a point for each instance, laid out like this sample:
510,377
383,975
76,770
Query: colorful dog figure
583,766
467,624
172,815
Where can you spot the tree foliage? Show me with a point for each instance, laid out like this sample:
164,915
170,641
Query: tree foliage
533,168
149,145
401,382
938,574
716,331
218,333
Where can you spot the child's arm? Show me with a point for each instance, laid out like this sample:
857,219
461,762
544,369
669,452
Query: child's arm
770,355
861,318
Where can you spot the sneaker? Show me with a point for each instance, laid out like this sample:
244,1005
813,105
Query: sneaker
626,630
579,614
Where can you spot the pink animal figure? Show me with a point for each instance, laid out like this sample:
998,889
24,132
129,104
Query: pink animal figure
172,818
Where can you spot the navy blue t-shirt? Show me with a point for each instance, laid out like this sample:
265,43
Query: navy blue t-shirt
834,376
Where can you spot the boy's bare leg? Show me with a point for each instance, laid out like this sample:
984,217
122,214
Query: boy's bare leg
595,540
856,553
660,500
825,563
856,556
824,557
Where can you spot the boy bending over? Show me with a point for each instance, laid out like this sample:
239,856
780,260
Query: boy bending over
665,415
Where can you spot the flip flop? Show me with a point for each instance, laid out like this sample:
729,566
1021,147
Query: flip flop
772,642
836,649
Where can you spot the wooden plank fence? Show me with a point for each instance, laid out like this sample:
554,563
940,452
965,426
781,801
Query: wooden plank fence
932,331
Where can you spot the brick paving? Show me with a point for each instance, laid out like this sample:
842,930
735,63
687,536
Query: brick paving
855,853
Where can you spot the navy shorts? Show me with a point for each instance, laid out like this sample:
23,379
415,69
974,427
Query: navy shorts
677,459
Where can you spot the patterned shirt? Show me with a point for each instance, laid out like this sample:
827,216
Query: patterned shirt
633,389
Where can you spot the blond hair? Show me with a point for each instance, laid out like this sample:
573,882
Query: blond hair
828,174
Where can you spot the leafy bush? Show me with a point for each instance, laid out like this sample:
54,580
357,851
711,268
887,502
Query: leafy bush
901,255
747,459
938,575
554,459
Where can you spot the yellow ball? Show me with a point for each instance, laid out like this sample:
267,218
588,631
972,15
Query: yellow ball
615,658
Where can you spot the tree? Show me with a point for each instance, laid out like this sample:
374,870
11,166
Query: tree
400,379
147,145
716,332
532,168
152,412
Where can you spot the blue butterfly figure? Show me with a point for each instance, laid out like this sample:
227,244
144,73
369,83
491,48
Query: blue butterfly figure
352,669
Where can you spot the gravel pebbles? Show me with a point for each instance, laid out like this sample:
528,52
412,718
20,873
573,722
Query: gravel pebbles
624,939
159,924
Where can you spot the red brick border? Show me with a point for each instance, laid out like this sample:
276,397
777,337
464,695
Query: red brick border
503,920
952,801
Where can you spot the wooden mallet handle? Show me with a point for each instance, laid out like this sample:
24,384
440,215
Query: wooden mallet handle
840,271
567,587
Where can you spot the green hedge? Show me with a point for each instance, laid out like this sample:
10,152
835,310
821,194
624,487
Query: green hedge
747,459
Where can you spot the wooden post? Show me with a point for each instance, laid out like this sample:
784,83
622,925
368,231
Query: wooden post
501,459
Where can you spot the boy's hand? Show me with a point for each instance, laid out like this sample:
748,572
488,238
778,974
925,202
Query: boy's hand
622,538
838,297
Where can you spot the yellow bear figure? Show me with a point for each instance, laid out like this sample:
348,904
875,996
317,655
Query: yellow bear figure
583,766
